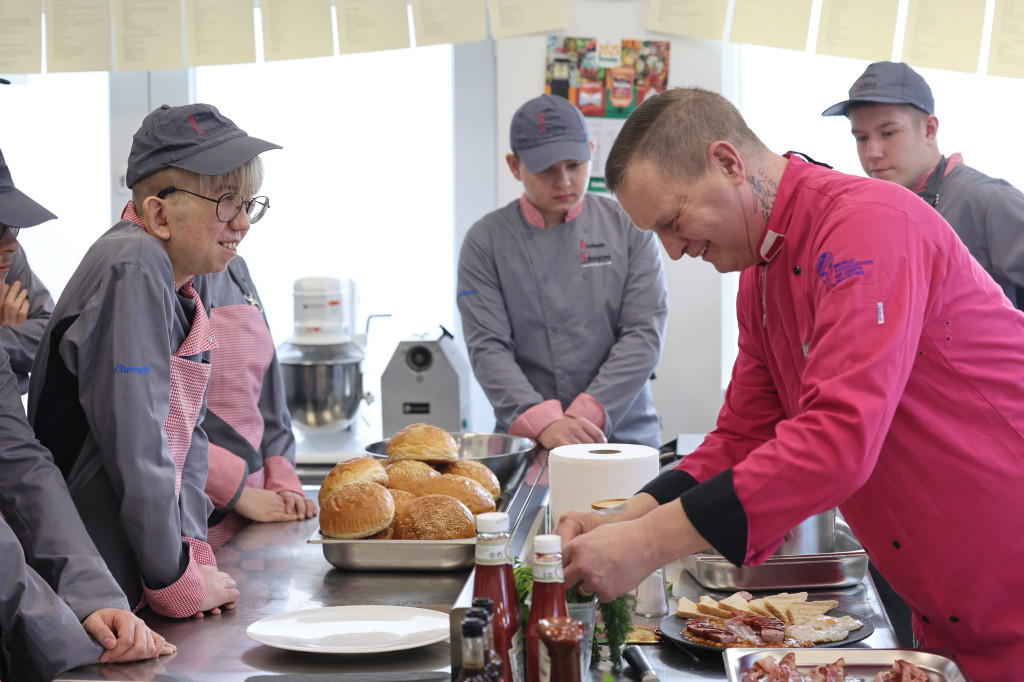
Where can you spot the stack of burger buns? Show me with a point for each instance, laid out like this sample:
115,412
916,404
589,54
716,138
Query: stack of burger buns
424,492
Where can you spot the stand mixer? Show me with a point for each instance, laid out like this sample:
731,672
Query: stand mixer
321,362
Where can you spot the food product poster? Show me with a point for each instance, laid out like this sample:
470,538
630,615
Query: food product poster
607,80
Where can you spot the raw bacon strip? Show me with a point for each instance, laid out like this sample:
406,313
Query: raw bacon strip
767,670
833,672
902,671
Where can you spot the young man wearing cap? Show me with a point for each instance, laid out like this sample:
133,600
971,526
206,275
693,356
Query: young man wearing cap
563,301
55,590
892,116
118,389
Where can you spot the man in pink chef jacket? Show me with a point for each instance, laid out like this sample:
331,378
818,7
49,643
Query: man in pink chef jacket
880,370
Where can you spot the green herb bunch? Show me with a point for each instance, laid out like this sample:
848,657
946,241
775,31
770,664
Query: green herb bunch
616,615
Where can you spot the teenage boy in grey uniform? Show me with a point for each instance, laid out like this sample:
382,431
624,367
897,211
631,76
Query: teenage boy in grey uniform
118,389
563,300
892,116
25,308
55,590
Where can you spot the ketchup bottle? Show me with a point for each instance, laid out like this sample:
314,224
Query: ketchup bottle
493,579
561,639
548,600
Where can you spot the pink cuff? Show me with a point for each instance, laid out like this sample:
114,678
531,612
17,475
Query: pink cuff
536,419
226,476
280,475
588,407
184,597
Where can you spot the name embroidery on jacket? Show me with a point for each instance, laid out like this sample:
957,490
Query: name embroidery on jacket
834,272
129,369
591,260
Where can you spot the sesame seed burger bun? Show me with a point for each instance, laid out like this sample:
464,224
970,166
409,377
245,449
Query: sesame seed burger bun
422,442
350,471
356,510
435,517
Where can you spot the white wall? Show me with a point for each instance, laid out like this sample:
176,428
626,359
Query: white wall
687,391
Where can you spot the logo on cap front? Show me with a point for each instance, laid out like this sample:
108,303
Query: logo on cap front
195,124
540,120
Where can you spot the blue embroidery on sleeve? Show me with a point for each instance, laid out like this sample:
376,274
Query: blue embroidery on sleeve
468,292
833,273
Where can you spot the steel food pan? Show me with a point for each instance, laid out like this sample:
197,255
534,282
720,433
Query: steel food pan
843,567
503,454
397,555
939,664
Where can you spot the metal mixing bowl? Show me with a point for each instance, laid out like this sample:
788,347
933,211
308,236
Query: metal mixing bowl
323,384
503,454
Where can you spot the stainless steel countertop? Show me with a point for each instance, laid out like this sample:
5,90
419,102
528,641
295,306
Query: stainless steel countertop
278,572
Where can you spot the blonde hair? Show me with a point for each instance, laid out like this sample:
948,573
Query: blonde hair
674,131
247,178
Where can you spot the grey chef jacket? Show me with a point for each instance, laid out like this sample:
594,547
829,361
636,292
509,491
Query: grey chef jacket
21,340
51,576
98,398
549,313
988,216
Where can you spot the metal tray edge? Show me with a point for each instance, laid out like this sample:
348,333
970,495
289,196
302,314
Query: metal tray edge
942,662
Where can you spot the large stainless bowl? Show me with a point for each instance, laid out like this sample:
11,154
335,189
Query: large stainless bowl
503,454
323,385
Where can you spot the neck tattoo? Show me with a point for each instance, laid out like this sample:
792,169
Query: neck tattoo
765,191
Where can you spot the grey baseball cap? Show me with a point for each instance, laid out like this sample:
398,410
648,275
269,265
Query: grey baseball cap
195,137
16,208
549,129
887,83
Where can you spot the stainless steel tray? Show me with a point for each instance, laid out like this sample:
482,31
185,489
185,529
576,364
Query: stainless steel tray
940,664
843,567
397,555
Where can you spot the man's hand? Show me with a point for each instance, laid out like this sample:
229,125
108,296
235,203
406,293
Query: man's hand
125,636
221,591
264,505
569,431
300,505
13,304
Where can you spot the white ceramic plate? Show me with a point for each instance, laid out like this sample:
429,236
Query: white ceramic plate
352,629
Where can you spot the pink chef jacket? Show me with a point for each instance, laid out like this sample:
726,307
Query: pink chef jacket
880,370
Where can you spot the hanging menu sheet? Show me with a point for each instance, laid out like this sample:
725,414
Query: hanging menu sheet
448,21
371,25
774,23
695,18
1006,54
147,35
858,29
219,32
523,17
944,34
21,36
297,29
77,35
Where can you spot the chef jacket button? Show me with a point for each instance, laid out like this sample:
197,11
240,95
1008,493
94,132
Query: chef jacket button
954,619
796,270
209,338
925,619
896,544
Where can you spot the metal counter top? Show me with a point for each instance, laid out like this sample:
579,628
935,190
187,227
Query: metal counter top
278,572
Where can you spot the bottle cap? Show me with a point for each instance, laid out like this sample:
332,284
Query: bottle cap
547,544
492,522
472,627
485,603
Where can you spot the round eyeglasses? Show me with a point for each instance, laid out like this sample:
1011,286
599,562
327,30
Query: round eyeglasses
229,205
5,228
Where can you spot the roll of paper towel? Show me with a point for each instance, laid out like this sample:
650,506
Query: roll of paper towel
584,473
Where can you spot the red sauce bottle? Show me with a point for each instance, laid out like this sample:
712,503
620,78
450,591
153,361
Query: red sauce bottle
548,600
561,640
493,579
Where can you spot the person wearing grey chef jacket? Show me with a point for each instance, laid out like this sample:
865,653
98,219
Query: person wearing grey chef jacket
59,606
563,301
879,369
118,390
25,307
252,448
892,117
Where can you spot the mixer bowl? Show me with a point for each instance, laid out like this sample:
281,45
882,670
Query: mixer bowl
323,385
503,454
